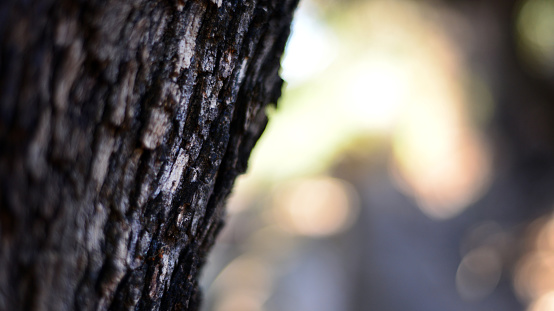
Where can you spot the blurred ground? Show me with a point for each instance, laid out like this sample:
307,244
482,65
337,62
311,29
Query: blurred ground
409,165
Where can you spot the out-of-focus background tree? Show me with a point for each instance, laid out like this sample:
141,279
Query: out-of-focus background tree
409,165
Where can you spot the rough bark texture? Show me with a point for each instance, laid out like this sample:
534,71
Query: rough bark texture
123,124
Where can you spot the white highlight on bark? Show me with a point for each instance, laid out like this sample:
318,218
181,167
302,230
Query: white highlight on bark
170,93
218,2
242,72
100,163
164,268
154,283
70,68
168,256
227,64
118,114
160,29
95,234
200,212
156,128
213,103
188,43
142,244
65,32
36,157
181,216
176,172
118,268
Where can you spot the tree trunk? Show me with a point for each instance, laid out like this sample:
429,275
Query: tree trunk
123,125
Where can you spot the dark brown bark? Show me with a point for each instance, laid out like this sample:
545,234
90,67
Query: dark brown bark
123,124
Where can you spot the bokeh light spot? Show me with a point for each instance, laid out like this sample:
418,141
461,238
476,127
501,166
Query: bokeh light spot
534,273
478,273
535,27
316,207
544,303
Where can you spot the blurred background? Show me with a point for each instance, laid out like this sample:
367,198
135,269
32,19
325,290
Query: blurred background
409,164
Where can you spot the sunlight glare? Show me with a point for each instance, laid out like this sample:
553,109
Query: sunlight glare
310,48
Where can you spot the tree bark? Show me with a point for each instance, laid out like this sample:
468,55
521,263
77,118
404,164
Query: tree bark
123,124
